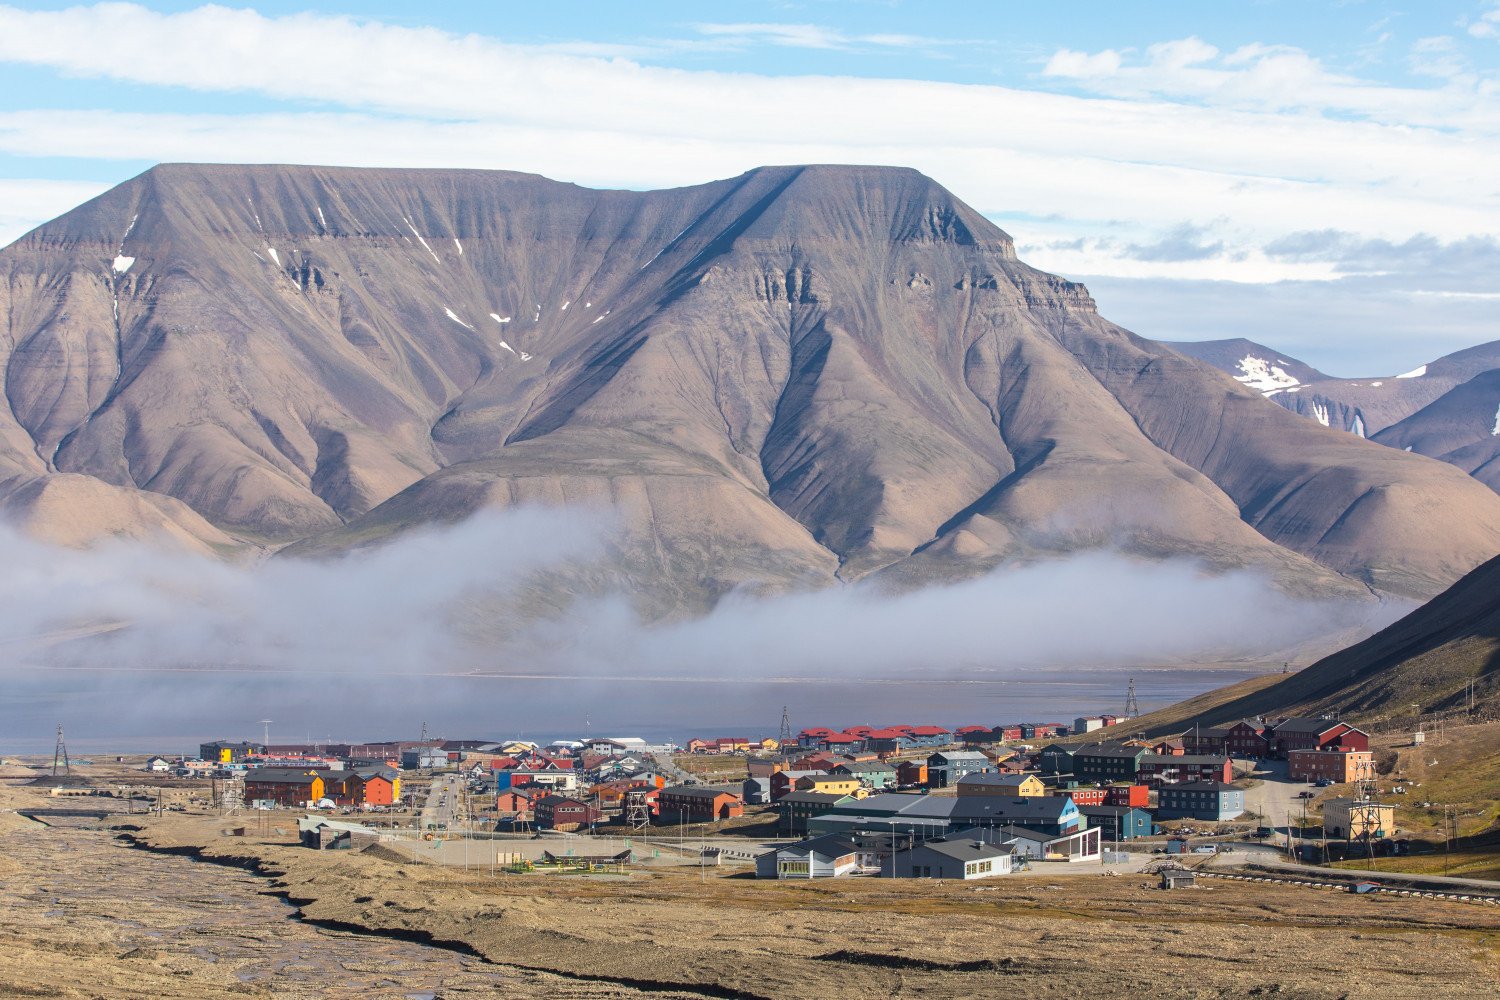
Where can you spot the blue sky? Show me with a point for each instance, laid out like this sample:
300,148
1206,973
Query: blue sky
1321,176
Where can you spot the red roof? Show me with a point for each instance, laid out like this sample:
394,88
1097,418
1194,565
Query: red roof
841,738
816,731
930,731
903,730
973,729
884,734
860,730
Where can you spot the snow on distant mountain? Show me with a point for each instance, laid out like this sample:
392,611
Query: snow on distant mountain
1447,409
1266,371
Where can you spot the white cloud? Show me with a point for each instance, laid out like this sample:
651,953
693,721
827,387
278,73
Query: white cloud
1487,25
812,36
1190,132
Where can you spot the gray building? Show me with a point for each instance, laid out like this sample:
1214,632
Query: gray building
944,769
931,816
756,791
1206,800
819,857
955,858
795,809
1107,762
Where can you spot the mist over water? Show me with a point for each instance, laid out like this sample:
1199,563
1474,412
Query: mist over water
138,645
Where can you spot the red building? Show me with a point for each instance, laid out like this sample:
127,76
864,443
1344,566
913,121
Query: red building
1168,748
1246,739
1085,796
1004,733
911,773
362,788
1135,796
696,804
1334,765
1155,770
515,801
561,812
1315,734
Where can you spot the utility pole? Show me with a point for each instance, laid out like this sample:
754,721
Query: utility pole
60,755
784,738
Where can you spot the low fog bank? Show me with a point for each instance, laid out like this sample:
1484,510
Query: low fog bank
129,614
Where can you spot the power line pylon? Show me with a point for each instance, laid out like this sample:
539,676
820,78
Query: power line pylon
784,738
60,755
1132,708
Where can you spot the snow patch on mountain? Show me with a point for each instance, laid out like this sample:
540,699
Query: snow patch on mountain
1496,431
123,263
1320,413
1415,373
1264,376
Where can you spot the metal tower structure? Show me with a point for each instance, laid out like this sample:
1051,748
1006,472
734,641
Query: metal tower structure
1132,708
637,811
784,738
232,796
1364,812
60,755
265,743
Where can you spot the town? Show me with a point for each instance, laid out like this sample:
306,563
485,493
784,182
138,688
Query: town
896,801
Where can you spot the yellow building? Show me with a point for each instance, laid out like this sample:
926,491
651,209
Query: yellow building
1354,819
1015,786
827,784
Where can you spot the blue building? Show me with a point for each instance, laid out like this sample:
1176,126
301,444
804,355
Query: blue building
1206,800
1120,822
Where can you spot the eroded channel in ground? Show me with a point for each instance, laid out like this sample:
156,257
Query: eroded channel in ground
86,916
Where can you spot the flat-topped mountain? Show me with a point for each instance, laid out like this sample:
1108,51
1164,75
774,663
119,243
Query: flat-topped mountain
797,375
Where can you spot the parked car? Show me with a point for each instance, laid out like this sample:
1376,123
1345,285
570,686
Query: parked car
1206,849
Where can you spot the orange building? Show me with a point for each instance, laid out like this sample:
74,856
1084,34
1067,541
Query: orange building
1338,766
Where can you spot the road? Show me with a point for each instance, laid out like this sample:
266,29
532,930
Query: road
444,805
1276,798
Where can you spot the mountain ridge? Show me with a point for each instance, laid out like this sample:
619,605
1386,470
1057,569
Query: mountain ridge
794,376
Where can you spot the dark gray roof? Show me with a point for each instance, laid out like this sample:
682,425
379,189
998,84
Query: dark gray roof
830,844
1188,758
812,798
1298,724
1108,750
1116,811
700,791
952,756
1201,786
992,778
283,776
963,850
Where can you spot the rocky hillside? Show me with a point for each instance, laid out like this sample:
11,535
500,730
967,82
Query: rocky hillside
798,375
1423,664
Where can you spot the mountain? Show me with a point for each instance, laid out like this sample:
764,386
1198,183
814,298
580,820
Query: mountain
1424,663
791,377
1251,364
1460,427
1362,406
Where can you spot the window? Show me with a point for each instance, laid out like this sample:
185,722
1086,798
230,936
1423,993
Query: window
793,868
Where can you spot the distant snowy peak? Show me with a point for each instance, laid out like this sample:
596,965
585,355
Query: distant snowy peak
1265,376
